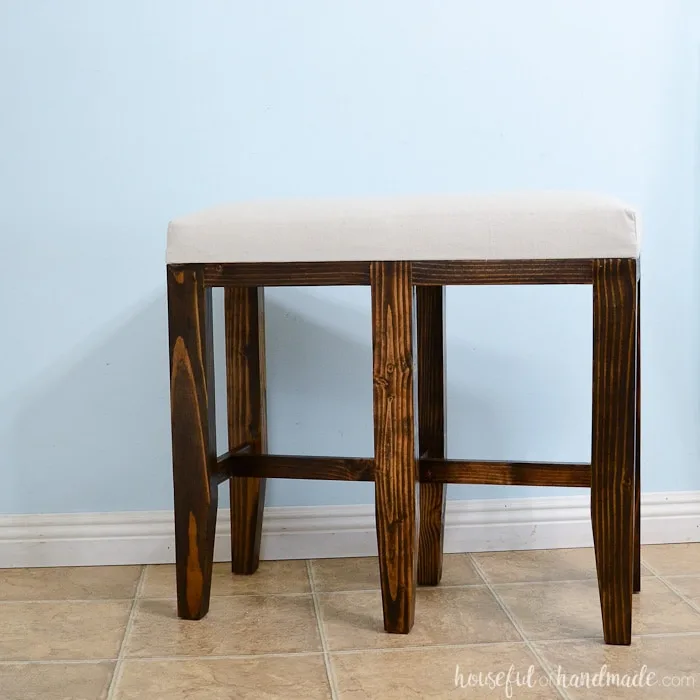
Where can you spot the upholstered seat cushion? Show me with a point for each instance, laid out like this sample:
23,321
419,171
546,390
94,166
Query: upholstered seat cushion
536,225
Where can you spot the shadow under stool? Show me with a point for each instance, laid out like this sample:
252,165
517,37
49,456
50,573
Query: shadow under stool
407,249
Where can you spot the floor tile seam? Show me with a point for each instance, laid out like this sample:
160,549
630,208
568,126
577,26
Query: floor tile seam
327,661
337,652
117,672
544,665
668,583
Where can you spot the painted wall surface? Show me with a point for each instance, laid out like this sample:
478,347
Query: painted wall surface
115,117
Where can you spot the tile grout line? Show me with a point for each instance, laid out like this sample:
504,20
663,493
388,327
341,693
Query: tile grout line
266,655
330,672
116,675
55,601
171,598
650,635
53,662
545,582
345,591
538,657
673,589
340,652
88,601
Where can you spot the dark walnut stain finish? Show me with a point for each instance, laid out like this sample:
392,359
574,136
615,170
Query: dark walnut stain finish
637,583
614,432
193,436
286,274
424,272
430,315
455,471
396,470
613,475
247,423
432,471
502,272
298,467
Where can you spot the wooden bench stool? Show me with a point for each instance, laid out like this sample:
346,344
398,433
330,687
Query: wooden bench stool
407,249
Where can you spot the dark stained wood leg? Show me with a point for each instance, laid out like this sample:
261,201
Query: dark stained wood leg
430,302
193,436
613,451
637,585
396,471
247,422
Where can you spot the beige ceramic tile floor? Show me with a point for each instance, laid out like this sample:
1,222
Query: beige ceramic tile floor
313,629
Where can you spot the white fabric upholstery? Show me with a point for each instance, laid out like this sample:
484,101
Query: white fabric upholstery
535,225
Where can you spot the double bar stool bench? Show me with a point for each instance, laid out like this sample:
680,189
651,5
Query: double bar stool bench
407,249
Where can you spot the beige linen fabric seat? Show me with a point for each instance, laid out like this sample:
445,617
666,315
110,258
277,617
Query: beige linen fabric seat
528,226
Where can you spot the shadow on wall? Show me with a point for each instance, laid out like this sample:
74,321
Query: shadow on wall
93,434
319,358
319,361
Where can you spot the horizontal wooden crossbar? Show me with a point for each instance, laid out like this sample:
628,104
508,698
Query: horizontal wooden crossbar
434,272
309,274
455,471
451,471
298,467
423,273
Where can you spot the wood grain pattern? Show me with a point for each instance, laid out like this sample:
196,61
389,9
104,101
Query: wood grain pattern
431,470
298,467
430,303
637,583
439,272
424,272
613,451
247,423
193,436
286,274
455,471
394,441
614,474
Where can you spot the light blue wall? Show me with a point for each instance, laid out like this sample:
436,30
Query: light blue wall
116,116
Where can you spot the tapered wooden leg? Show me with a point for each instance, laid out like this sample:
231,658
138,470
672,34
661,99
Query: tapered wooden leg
613,451
637,584
193,436
247,423
430,302
396,470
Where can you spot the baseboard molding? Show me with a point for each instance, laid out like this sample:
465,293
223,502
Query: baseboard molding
332,531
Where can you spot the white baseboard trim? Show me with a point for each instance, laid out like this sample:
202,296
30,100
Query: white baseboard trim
332,531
